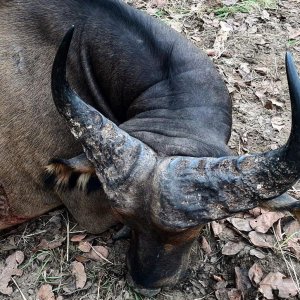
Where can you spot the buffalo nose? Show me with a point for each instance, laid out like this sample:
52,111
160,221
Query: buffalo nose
147,292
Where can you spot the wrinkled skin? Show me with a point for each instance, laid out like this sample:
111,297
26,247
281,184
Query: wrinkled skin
157,87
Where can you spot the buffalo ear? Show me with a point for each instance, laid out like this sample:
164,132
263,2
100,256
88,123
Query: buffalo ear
77,172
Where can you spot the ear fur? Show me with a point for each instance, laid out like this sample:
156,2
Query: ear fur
76,172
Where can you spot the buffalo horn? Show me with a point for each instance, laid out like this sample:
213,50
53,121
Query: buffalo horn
119,159
200,190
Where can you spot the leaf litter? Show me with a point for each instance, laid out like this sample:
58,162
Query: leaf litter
247,43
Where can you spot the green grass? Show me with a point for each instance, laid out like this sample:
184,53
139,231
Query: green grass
246,6
293,42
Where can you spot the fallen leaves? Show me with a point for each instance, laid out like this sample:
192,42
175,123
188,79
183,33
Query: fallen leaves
79,273
255,226
45,245
257,253
277,282
241,224
242,281
84,246
45,293
262,240
205,246
255,274
222,36
232,248
98,253
265,221
10,269
277,123
78,237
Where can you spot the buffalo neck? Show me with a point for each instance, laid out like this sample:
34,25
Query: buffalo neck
133,81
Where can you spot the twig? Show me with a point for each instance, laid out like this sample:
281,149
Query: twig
98,289
22,295
290,267
99,254
68,237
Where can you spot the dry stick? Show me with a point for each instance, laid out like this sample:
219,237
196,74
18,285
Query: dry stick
61,270
22,295
98,289
244,236
289,267
99,254
68,238
296,275
22,236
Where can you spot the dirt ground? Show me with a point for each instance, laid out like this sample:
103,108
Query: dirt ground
247,40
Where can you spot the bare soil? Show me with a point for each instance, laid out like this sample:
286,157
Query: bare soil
248,47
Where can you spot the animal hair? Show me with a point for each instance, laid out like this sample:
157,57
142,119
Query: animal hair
58,175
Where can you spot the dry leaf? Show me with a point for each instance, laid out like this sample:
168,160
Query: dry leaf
255,211
221,294
157,3
265,15
221,38
278,231
232,248
225,26
227,234
229,2
276,102
234,294
255,274
81,258
11,269
45,245
84,246
277,123
292,229
261,95
265,221
294,246
261,70
45,293
241,279
241,224
205,246
261,239
79,273
294,34
78,237
218,278
277,281
97,253
257,253
217,227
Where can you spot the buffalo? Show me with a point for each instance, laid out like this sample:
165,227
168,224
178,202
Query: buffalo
151,118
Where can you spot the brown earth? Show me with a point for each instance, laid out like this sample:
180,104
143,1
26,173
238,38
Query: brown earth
247,41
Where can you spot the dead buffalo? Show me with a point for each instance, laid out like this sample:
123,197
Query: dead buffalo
154,125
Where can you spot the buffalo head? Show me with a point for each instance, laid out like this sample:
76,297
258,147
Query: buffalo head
166,200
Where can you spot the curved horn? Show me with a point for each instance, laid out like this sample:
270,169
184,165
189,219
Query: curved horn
119,159
294,88
199,190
